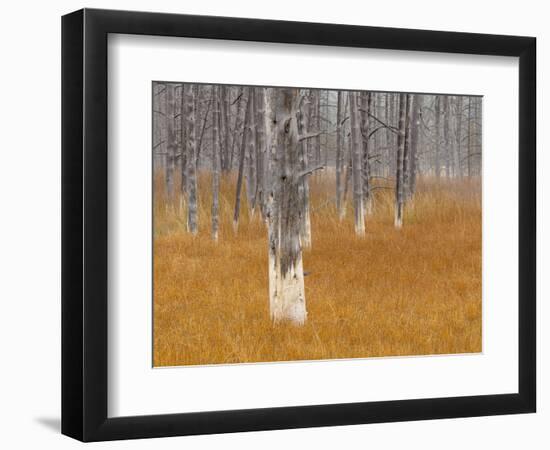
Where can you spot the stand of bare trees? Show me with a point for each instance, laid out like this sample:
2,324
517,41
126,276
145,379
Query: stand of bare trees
275,139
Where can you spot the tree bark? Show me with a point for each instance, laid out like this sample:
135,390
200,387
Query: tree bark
261,145
415,124
398,220
366,107
339,156
216,163
437,112
286,277
458,138
446,122
250,160
356,146
303,188
469,156
242,157
171,144
224,127
407,147
191,175
183,150
236,125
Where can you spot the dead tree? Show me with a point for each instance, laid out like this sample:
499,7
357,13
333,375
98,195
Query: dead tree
242,157
236,125
215,165
469,155
250,159
414,126
183,150
366,110
303,188
261,153
399,200
458,138
191,174
356,148
437,113
225,129
339,154
407,147
446,123
171,144
286,276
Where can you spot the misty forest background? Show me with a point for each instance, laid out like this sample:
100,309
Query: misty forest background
365,204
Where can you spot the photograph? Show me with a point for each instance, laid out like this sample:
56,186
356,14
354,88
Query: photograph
296,224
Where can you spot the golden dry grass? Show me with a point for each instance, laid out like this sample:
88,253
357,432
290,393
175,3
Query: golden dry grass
415,291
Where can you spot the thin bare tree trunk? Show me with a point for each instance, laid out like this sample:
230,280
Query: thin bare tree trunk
389,135
183,150
446,120
191,176
312,125
261,143
437,109
458,140
171,143
469,156
242,156
415,124
215,166
250,157
407,147
159,126
355,123
303,188
366,108
339,156
398,222
286,277
203,129
224,127
349,159
317,122
236,126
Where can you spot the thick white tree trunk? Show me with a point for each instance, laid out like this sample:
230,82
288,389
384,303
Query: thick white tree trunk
286,277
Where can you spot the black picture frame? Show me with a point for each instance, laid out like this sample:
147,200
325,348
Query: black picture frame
84,224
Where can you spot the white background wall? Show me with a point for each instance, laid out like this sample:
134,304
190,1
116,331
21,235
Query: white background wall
30,222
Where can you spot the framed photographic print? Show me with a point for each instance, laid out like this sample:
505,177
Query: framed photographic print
273,224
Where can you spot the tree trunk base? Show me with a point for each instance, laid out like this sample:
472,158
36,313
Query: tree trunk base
398,219
287,294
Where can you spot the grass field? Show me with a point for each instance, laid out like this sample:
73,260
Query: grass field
416,291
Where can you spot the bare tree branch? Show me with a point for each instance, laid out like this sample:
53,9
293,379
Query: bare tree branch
310,170
158,145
